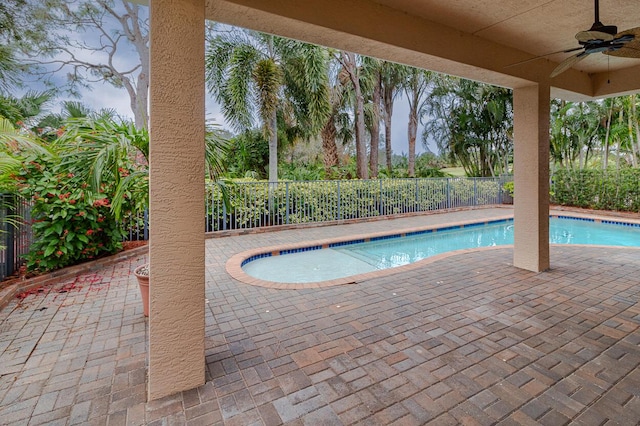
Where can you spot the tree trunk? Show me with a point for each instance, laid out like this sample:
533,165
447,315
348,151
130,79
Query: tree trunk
375,130
140,114
634,113
139,96
412,130
329,148
350,65
388,113
605,156
361,151
273,146
632,142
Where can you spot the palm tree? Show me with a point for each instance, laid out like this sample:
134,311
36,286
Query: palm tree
253,74
106,149
14,140
630,110
635,119
574,129
472,123
371,83
351,65
51,126
617,130
338,125
15,146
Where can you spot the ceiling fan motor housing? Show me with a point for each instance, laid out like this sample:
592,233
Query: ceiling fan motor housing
608,29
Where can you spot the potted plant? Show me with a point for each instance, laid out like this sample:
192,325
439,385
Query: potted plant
142,274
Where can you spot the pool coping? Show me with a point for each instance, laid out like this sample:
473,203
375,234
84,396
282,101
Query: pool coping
234,263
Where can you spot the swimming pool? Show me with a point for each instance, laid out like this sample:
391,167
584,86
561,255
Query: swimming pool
343,259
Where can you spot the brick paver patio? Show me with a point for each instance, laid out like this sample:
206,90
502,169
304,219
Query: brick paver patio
464,340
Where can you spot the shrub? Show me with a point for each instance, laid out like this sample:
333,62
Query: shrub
508,186
318,201
70,223
597,189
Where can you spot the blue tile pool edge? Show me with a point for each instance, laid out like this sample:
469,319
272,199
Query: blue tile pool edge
419,232
599,220
363,240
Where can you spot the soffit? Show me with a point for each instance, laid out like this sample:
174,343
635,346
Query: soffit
477,39
538,27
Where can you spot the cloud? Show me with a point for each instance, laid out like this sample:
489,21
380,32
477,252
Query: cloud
108,97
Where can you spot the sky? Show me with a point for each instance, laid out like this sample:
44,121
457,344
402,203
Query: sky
101,95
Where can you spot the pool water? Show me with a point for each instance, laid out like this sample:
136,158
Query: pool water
346,259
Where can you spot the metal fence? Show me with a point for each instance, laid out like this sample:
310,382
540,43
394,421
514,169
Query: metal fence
15,233
258,204
136,227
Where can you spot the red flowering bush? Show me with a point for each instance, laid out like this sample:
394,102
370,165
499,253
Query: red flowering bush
71,224
76,184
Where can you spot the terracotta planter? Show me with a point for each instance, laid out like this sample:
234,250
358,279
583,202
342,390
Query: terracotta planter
143,283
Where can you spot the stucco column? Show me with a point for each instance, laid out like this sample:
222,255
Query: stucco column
531,176
176,320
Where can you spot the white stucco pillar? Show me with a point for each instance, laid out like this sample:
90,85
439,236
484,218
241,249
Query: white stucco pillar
531,175
176,320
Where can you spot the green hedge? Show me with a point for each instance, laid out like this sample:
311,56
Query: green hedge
319,201
597,189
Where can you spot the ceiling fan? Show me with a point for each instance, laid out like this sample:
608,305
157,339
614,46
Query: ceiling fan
602,38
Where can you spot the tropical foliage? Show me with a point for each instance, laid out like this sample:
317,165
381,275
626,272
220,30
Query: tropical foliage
82,182
255,75
597,189
416,86
71,220
473,124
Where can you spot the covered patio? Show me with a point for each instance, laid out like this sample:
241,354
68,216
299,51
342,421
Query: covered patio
507,43
467,339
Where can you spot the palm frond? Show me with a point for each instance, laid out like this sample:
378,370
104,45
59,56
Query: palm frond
216,151
102,146
13,140
133,191
268,79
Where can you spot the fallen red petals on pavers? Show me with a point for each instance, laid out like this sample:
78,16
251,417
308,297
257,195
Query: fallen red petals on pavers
33,291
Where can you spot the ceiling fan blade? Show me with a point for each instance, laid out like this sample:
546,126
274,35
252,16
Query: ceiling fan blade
630,49
526,61
626,52
585,36
633,31
568,63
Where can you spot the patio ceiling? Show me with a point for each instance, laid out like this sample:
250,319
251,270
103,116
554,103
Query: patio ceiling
475,39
